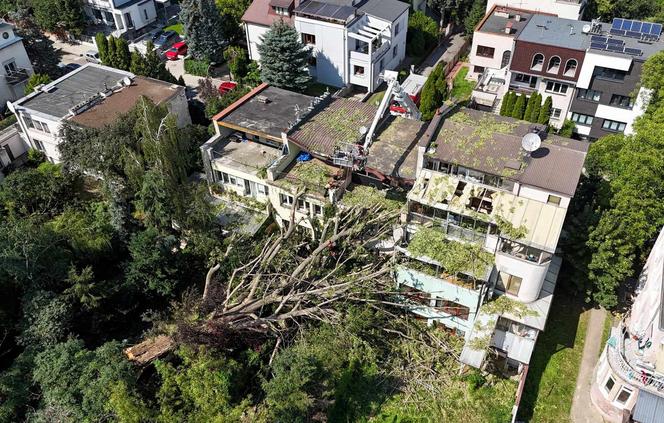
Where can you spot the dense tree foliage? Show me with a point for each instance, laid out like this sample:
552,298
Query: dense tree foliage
60,16
422,34
284,58
606,10
231,12
451,11
474,16
35,80
203,29
434,92
38,46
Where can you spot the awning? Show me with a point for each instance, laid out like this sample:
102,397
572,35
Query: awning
649,408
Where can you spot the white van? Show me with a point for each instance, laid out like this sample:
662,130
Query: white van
92,56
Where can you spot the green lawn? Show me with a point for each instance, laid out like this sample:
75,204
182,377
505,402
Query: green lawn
606,332
554,366
175,27
461,87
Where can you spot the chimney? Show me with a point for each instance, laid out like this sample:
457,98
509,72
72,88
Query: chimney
508,28
517,17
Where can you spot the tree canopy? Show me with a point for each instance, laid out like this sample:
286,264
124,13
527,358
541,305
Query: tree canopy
284,58
203,29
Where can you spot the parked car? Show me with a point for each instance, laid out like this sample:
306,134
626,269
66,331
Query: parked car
66,68
226,87
176,50
165,39
92,56
155,34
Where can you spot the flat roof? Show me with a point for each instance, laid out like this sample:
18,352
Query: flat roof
394,151
495,21
58,97
247,156
648,48
555,31
336,122
270,118
107,110
338,10
314,175
492,144
389,10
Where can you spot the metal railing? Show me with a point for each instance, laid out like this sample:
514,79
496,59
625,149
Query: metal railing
451,230
17,76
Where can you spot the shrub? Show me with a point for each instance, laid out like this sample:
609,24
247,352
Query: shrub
567,129
196,67
422,34
8,121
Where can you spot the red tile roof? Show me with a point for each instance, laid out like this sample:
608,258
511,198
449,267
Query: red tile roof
260,12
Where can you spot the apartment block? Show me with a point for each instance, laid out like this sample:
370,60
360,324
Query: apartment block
628,384
91,96
16,67
124,17
351,41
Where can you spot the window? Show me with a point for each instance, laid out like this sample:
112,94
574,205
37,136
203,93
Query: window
39,145
589,95
555,113
308,38
612,125
553,199
609,73
570,67
382,64
262,189
286,200
145,13
538,62
358,70
507,325
609,384
28,121
526,79
508,283
10,67
621,101
556,87
416,295
484,51
478,69
318,209
554,65
452,308
45,128
97,14
623,395
582,119
507,54
283,11
303,206
396,29
395,51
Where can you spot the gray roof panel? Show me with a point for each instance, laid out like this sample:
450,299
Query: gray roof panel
649,408
554,31
389,10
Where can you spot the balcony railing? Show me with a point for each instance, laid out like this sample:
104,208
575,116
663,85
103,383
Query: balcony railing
17,76
451,230
638,377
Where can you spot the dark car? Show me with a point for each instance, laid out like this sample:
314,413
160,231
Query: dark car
154,35
68,67
166,39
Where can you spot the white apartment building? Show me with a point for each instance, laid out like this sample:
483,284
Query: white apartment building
12,149
628,381
568,9
474,181
91,96
122,16
16,67
351,41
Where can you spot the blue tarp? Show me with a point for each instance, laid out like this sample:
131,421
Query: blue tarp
303,157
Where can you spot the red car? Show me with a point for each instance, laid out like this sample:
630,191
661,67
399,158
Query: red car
226,87
176,50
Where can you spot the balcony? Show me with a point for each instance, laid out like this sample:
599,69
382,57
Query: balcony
629,370
17,76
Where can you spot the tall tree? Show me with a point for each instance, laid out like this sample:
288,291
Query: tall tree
231,12
529,107
102,47
35,80
122,55
60,16
451,11
474,16
237,61
434,92
537,106
284,58
545,111
519,107
203,29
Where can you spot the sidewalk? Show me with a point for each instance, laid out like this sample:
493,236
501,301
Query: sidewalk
583,411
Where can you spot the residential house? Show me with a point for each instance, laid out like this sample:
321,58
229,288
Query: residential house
568,9
12,149
16,67
628,384
91,96
124,17
609,97
476,184
351,41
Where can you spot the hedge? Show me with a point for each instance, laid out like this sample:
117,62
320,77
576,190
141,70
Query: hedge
196,67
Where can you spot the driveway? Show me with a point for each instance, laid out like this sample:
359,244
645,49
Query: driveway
71,53
176,67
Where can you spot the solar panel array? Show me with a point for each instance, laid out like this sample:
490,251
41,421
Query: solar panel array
612,44
636,29
326,10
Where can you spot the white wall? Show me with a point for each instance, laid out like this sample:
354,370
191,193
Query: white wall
138,12
254,33
179,106
563,9
559,101
541,195
592,60
500,43
532,274
625,115
12,52
330,50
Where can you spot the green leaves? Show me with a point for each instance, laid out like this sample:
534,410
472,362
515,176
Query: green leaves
284,58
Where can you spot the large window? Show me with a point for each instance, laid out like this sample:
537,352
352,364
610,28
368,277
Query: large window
554,65
614,126
609,73
485,51
508,283
283,11
623,395
232,180
396,29
556,87
308,38
39,145
538,62
522,78
582,119
286,200
609,385
452,308
478,69
415,295
589,95
623,101
570,67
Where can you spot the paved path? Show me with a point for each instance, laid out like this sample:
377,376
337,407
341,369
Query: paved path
583,411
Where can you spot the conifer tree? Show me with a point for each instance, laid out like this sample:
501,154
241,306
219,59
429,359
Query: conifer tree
284,58
122,55
110,55
545,112
503,105
529,107
509,100
537,106
519,107
102,47
203,29
433,93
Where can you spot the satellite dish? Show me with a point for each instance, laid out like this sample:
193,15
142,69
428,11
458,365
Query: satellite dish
364,130
531,142
586,29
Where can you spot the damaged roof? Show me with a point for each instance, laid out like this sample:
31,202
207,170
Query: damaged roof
394,151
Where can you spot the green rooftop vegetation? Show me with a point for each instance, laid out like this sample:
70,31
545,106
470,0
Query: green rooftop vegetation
341,123
362,196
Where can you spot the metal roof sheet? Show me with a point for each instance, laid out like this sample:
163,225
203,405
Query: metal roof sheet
649,408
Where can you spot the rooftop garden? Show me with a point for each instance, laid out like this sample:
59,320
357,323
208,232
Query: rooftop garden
362,196
340,123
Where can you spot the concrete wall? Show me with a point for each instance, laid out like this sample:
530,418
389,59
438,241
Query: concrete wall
532,275
564,9
331,49
541,195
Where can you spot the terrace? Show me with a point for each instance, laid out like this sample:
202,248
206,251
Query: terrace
315,176
245,156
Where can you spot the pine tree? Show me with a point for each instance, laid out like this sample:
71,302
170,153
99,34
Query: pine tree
545,112
434,92
203,29
284,58
102,47
509,100
537,106
122,55
110,55
503,105
138,64
519,107
529,107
